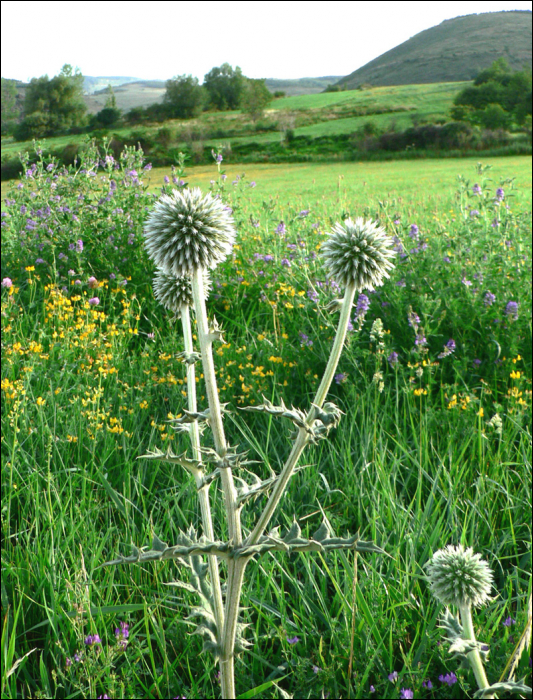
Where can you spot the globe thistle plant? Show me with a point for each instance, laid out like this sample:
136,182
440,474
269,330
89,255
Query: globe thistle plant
187,231
174,292
358,253
461,578
186,235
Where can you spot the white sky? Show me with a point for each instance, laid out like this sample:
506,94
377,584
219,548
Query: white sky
158,40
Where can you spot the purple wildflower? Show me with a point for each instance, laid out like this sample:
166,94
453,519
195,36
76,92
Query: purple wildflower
508,622
427,684
92,282
252,183
7,282
413,232
313,295
304,340
495,223
448,349
476,362
372,689
474,213
446,259
94,301
512,309
420,339
500,194
280,229
476,189
92,639
79,246
286,263
406,693
392,359
340,378
316,669
393,677
449,678
166,179
147,167
40,261
401,283
362,306
489,299
467,283
293,640
414,319
304,213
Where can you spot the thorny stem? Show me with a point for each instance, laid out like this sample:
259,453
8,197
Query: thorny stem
303,437
203,490
474,656
227,642
237,566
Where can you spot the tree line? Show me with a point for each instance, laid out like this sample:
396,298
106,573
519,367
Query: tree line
56,106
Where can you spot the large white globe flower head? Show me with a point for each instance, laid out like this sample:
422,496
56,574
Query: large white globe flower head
360,253
186,231
175,292
459,577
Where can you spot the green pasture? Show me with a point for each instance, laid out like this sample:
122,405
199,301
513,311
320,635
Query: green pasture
433,448
314,115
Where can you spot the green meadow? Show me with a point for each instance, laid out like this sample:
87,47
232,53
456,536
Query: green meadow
434,447
310,115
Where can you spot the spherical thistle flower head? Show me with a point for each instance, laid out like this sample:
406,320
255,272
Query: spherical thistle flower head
174,292
187,230
459,577
360,253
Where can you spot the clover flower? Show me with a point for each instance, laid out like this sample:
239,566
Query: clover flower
459,577
173,292
359,253
187,231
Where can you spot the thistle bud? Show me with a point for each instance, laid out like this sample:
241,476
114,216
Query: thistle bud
187,231
174,292
459,577
360,253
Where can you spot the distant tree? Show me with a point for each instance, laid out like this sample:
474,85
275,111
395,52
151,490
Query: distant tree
279,93
254,98
184,97
111,101
497,98
136,115
9,99
10,109
106,117
53,106
224,86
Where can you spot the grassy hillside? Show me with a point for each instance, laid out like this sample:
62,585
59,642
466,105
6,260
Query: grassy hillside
311,115
457,49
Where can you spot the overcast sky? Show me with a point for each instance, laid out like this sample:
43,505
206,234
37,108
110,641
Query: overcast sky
159,40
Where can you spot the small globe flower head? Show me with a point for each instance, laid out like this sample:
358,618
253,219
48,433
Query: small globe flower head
187,231
174,292
360,253
459,577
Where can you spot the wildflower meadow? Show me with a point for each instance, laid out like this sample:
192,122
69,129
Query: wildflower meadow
256,446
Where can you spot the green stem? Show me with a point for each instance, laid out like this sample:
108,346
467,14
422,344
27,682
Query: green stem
303,437
227,641
203,489
237,566
474,657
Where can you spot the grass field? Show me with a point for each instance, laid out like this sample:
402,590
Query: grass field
434,447
312,115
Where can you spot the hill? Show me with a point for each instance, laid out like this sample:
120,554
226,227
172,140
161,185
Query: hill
301,86
457,49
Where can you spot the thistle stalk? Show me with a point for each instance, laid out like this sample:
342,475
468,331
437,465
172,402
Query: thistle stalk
201,487
303,436
474,657
235,569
